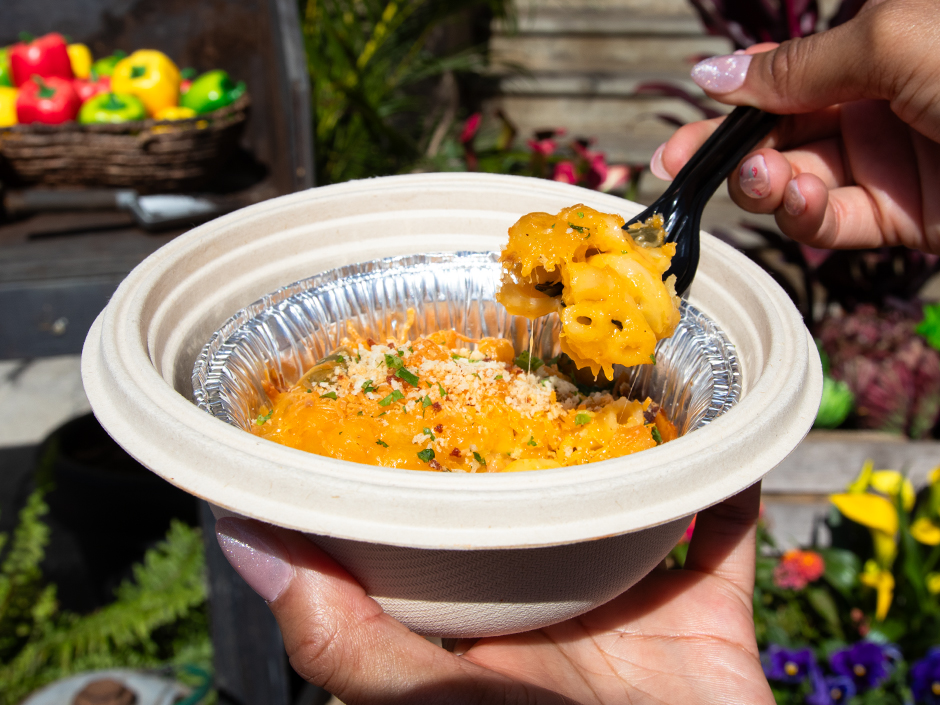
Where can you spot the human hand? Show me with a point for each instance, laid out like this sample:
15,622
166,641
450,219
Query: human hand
678,636
857,162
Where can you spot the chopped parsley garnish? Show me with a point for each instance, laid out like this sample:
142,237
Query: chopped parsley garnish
328,395
441,390
623,252
410,377
360,413
580,214
358,357
498,377
479,458
477,375
400,353
532,441
582,419
427,432
394,396
340,359
653,358
309,391
367,386
527,361
454,356
393,362
426,455
261,419
382,443
579,228
426,402
553,225
657,436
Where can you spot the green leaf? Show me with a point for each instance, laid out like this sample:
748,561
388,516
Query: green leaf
393,362
441,390
657,436
532,441
579,228
821,600
479,458
427,432
527,362
426,455
407,376
426,402
367,386
842,569
261,419
889,631
582,419
329,395
382,443
394,396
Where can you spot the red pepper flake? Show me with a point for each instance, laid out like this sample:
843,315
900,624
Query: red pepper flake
388,379
436,406
370,342
455,452
439,428
435,465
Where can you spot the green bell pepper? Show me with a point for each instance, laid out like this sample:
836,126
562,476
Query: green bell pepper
112,108
105,66
211,91
6,77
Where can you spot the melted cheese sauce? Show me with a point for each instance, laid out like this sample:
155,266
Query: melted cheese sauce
430,404
605,285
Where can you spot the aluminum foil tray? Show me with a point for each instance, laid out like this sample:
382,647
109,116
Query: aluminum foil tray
278,337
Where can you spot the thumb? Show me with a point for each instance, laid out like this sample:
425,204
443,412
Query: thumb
887,52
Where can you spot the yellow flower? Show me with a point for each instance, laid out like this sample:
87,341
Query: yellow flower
933,583
926,531
860,484
934,477
874,576
893,483
871,510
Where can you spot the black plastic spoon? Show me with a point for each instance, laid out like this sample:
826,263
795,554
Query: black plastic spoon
682,204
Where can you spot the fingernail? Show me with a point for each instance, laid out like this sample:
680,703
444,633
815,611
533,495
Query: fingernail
258,558
793,200
754,177
656,164
721,74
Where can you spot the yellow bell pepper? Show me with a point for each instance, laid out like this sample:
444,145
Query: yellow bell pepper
151,76
175,112
80,58
8,106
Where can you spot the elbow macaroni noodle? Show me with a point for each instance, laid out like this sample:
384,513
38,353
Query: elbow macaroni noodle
606,288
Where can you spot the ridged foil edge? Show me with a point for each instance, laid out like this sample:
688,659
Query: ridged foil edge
273,340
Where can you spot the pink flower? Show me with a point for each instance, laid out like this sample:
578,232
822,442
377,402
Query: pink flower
798,568
597,170
617,177
470,127
564,172
543,147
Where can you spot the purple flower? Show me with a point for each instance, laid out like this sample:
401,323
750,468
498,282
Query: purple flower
830,690
788,665
866,663
925,678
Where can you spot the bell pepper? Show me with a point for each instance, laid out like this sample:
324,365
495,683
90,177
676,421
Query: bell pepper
6,78
105,66
151,76
187,74
175,112
48,100
46,57
112,108
8,106
80,58
95,85
211,91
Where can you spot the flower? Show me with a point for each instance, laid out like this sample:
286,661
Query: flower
830,690
926,530
470,127
564,172
866,663
798,568
925,678
617,176
933,583
543,147
874,576
788,665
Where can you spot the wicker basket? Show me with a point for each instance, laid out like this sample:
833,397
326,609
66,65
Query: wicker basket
149,156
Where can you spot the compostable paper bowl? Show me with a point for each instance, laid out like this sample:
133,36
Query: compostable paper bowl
448,554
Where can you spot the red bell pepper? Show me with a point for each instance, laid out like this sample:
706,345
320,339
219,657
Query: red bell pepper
91,87
48,100
47,57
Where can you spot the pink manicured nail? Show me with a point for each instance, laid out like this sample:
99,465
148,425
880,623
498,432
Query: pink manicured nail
793,200
255,555
754,177
722,74
656,164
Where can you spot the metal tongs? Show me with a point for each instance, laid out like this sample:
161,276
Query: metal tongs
682,204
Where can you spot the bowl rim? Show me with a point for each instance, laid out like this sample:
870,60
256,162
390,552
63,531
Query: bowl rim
170,435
